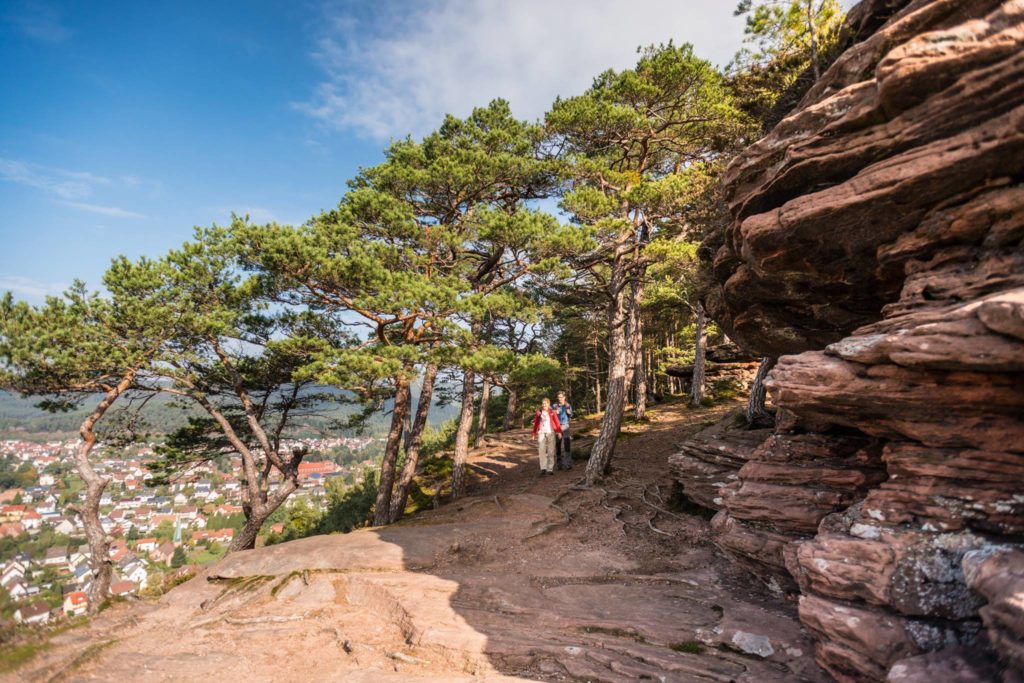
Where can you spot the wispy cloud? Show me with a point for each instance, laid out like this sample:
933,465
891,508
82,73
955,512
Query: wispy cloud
30,288
63,184
415,62
112,211
40,21
71,188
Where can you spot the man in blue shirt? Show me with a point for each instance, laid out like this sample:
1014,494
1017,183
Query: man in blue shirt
563,454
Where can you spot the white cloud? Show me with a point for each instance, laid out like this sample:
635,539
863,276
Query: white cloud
30,288
415,62
72,187
63,184
112,211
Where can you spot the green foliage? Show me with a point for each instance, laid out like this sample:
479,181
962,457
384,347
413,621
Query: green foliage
790,44
438,439
14,475
35,546
693,647
349,506
179,557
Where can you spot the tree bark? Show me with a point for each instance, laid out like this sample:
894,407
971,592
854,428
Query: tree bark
636,347
618,359
465,426
481,421
510,409
757,413
99,542
697,385
812,32
255,516
412,451
382,506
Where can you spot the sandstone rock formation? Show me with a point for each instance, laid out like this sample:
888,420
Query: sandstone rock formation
878,238
725,363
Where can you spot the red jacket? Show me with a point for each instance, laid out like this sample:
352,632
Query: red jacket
556,425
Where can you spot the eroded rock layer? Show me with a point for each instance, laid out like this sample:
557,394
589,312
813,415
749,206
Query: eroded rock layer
878,240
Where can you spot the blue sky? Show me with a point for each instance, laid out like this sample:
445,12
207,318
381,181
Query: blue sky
125,124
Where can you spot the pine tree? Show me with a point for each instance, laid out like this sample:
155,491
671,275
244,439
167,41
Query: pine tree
82,349
246,368
627,143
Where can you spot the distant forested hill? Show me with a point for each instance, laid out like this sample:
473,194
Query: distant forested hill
20,418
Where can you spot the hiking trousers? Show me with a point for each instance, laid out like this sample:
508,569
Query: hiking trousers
546,450
563,449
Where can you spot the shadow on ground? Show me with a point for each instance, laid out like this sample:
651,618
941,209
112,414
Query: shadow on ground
525,578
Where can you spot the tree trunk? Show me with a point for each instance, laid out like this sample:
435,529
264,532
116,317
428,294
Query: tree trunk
245,539
697,385
99,542
636,348
812,32
407,429
618,359
412,451
89,512
462,435
481,421
510,410
382,506
757,413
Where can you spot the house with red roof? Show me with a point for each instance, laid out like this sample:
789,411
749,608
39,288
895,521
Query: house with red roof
220,535
12,513
11,529
76,603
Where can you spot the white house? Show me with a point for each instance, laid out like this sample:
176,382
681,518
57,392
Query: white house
63,525
36,613
56,556
76,603
135,570
14,569
16,589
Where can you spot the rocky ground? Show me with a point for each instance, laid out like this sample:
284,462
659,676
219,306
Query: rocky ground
527,578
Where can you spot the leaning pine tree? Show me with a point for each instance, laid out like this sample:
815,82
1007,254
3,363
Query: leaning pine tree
84,350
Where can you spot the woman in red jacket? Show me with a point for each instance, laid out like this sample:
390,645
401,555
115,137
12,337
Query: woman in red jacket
546,428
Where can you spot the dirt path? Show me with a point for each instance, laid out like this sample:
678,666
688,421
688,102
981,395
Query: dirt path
527,578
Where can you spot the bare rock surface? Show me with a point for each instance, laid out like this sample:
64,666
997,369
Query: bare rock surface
709,460
525,579
878,239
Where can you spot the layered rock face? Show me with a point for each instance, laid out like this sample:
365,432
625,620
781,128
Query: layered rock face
725,363
877,246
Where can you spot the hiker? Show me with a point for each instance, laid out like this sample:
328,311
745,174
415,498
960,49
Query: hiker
563,453
546,428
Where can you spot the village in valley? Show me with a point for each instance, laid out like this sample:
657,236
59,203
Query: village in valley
161,532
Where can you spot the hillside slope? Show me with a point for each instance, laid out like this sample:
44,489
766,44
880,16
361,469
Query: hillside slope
527,578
